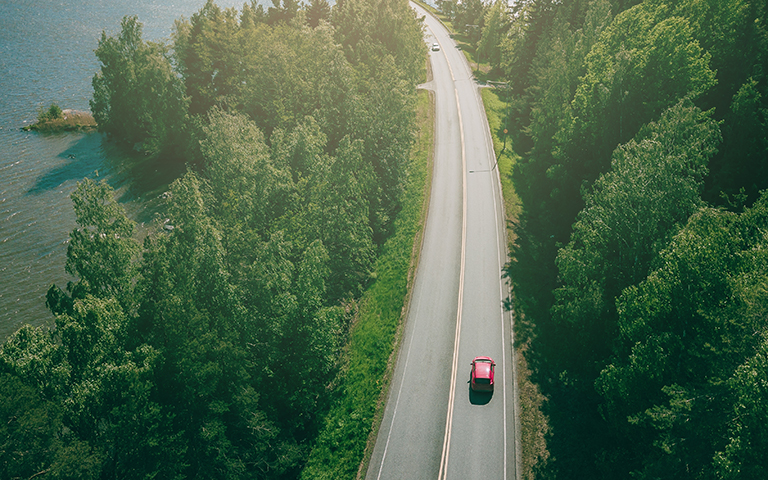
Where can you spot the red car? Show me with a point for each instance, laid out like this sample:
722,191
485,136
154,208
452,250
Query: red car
482,374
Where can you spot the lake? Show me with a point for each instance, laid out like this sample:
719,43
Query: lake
46,56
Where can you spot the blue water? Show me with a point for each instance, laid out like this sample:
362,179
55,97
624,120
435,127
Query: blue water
46,56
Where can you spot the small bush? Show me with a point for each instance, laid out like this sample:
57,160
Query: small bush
54,112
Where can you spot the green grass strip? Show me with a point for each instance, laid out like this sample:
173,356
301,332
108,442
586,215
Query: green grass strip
497,112
340,451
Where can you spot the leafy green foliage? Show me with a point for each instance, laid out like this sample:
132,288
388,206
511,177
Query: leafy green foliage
137,96
101,252
630,215
33,441
593,81
469,17
317,11
740,459
688,337
206,49
54,112
496,23
211,350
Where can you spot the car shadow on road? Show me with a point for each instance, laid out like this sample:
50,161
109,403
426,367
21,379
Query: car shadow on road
479,398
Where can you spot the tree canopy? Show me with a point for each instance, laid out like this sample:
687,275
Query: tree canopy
641,131
209,350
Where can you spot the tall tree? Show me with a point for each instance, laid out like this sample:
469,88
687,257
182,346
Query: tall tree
34,440
101,253
643,63
631,212
689,334
496,24
317,11
370,29
470,18
556,71
206,50
742,458
249,189
192,315
138,98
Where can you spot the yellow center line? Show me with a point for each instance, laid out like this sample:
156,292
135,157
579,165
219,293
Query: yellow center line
452,393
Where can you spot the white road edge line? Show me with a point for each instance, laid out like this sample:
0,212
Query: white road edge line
452,395
496,187
503,331
397,403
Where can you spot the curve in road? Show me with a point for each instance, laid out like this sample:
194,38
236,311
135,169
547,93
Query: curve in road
433,425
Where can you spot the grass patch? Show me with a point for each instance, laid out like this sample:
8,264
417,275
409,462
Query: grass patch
534,427
343,449
497,111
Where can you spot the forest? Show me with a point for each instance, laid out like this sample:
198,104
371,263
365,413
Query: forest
640,265
210,349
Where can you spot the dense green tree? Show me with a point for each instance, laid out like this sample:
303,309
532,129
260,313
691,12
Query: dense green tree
583,83
336,212
742,457
448,8
733,32
106,390
742,167
33,354
34,441
689,334
556,70
383,123
250,190
309,337
631,213
291,72
620,86
138,99
199,336
371,29
207,51
101,253
532,19
470,19
283,11
317,11
496,24
644,62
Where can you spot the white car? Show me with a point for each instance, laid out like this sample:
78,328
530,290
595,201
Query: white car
435,47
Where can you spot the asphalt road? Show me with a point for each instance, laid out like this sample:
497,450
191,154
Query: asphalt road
434,427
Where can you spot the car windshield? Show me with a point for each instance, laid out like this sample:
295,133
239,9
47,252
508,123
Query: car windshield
483,380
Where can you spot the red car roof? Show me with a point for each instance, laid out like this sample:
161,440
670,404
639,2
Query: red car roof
483,367
482,370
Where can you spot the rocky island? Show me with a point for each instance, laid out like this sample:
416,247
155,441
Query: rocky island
54,119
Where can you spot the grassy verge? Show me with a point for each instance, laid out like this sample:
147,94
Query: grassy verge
533,424
342,450
497,113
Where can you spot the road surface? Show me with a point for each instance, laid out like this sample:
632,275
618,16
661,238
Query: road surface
433,426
